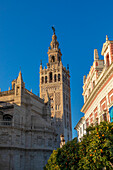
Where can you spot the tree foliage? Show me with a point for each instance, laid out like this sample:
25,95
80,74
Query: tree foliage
95,151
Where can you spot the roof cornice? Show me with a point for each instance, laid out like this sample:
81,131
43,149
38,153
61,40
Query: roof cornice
98,86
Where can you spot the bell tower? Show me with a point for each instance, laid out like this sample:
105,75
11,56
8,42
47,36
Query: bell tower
55,81
54,53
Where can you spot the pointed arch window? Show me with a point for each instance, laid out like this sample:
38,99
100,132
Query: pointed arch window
50,77
45,79
53,58
55,78
53,46
42,80
7,119
58,77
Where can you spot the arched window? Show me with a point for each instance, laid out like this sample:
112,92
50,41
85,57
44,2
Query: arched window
58,77
53,58
45,79
56,107
42,80
55,78
53,45
50,77
7,119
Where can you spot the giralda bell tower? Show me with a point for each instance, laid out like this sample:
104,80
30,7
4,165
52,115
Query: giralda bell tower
55,84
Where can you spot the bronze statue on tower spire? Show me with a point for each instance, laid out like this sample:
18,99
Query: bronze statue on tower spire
53,30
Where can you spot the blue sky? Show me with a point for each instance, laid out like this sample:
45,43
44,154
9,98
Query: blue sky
25,35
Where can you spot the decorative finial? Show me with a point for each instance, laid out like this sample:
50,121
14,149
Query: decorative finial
96,57
53,30
20,68
106,37
67,66
40,62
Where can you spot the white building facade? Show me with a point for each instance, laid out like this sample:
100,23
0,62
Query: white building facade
98,87
81,128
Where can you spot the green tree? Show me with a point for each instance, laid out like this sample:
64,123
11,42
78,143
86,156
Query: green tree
52,163
67,156
96,148
94,152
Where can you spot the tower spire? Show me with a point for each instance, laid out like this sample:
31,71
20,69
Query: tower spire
54,43
106,37
54,53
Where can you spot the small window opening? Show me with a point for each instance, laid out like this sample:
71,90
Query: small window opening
53,58
7,119
55,77
56,107
50,77
45,79
58,77
42,80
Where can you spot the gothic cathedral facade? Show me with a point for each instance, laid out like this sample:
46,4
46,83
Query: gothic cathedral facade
30,127
55,84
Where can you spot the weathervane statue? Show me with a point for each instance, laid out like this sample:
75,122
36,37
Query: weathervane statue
53,29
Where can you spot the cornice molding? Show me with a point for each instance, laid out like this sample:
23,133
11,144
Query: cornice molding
98,86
